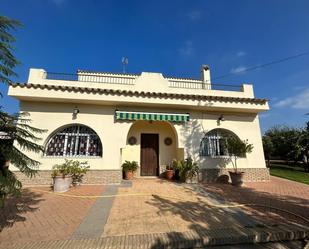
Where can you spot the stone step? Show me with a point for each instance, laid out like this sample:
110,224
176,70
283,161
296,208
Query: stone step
189,239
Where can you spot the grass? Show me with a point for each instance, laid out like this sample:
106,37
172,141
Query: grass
288,172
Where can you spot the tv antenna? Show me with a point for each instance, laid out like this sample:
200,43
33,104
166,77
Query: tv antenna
125,62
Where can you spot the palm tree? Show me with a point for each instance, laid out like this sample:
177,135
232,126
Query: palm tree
16,134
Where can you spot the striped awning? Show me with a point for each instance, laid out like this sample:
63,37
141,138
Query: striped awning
172,117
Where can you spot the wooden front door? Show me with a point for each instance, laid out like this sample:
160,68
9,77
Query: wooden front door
149,154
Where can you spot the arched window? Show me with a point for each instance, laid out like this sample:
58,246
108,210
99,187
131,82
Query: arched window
75,141
214,143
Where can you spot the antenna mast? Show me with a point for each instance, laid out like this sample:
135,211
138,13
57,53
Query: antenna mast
125,62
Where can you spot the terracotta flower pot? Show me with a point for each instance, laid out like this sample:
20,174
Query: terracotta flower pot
169,174
129,175
62,184
236,178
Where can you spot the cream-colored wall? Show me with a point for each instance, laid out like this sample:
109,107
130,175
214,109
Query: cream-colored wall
68,96
164,129
114,134
52,116
146,81
246,127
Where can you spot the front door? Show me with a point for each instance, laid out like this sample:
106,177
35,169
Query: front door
149,154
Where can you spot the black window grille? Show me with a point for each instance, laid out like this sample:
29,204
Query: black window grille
74,141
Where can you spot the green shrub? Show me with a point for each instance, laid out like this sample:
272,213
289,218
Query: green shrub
129,166
186,169
73,168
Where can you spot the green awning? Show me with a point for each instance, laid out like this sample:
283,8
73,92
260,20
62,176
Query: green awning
172,117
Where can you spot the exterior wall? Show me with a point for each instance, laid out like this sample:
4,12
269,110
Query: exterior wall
251,175
114,134
85,97
52,116
146,81
91,177
246,127
166,153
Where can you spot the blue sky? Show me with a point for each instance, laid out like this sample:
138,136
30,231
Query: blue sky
175,38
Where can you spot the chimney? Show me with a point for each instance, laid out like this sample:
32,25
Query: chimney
205,74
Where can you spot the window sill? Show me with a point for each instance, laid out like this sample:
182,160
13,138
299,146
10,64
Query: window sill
77,157
216,157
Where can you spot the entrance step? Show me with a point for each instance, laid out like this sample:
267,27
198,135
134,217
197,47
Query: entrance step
190,239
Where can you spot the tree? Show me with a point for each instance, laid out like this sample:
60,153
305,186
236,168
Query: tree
284,140
268,147
237,148
7,60
16,134
16,137
303,143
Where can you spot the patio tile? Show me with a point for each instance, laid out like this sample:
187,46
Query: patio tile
165,207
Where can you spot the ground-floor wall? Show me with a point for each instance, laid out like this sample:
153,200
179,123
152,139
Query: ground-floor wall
114,135
43,177
222,175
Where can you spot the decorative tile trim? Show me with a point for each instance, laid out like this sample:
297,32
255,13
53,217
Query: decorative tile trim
92,177
251,174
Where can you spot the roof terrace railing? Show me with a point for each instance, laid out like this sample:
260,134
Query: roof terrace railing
198,84
95,78
127,79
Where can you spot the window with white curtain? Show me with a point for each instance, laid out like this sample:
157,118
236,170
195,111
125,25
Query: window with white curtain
214,143
74,141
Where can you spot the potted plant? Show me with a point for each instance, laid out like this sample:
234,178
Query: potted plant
176,164
188,170
129,167
237,148
77,170
70,172
169,173
61,178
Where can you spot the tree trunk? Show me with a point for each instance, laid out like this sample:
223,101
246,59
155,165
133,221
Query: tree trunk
268,162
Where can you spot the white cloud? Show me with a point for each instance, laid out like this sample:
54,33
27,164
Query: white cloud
195,15
241,53
186,49
238,70
298,101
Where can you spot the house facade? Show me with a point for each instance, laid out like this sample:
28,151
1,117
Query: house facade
107,118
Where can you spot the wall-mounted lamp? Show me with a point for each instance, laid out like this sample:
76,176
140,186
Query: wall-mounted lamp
221,118
75,111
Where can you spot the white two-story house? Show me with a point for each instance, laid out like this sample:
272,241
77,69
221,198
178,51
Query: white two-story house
106,118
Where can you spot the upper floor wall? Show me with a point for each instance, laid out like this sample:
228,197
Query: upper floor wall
146,89
146,81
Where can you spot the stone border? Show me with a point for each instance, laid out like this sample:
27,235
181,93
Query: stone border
189,239
92,177
94,222
115,176
251,174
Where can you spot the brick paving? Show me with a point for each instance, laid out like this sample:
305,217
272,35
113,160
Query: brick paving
39,216
278,193
170,207
212,239
155,212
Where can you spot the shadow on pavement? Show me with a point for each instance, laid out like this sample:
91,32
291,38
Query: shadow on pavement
15,207
229,225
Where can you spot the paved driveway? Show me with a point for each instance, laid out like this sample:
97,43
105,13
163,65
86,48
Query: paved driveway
155,209
170,207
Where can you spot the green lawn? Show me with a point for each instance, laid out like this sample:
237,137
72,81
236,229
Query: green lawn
292,173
